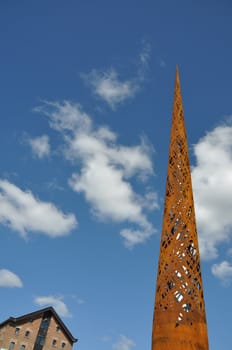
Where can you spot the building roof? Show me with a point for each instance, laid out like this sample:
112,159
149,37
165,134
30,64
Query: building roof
37,314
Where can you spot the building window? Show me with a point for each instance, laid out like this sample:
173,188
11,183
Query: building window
44,323
17,330
54,342
22,347
11,346
27,333
63,345
40,340
57,328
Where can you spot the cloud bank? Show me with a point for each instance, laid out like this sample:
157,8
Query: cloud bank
23,212
54,301
223,271
105,169
212,184
9,279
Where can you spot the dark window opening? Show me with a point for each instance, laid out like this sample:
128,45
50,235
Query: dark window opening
44,323
17,330
11,346
40,340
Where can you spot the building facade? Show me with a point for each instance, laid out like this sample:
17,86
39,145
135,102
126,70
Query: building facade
39,330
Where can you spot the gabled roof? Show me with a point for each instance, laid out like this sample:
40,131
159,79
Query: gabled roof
49,311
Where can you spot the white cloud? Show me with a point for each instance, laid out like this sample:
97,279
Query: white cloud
67,116
136,236
56,302
23,212
150,200
105,168
124,343
111,88
9,279
223,271
212,184
108,86
40,146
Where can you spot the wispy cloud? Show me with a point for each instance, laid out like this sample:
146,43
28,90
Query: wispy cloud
143,62
212,183
105,169
54,301
162,63
23,212
105,339
223,271
124,343
9,279
111,87
108,86
137,236
78,300
40,146
53,184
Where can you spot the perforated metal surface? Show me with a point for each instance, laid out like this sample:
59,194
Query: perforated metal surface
179,315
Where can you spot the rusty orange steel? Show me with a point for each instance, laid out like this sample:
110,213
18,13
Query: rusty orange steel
179,314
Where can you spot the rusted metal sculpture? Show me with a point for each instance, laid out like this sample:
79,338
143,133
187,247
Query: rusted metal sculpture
179,315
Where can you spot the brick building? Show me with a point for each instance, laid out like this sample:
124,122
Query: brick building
39,330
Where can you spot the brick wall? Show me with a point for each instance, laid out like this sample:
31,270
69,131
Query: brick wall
25,335
56,337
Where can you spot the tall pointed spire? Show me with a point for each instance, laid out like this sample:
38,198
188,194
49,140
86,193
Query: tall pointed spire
179,314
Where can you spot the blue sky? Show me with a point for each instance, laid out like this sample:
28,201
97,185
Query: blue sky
86,93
